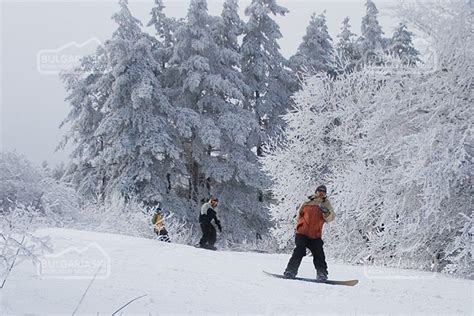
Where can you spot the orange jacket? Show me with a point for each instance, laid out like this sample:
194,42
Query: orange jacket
311,220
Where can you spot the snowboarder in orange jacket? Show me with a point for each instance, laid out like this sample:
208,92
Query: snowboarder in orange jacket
311,217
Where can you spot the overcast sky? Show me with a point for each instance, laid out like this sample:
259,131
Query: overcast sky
32,102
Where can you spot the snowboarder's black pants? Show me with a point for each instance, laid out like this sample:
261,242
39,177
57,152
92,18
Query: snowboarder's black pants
316,248
208,235
163,235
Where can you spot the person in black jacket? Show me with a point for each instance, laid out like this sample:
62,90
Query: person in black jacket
208,213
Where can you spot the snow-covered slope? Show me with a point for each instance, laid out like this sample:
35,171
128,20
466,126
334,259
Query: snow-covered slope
183,279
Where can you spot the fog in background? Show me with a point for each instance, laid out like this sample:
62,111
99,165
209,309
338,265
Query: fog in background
32,103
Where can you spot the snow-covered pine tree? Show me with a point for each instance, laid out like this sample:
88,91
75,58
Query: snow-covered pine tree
245,189
134,145
402,46
226,30
265,69
347,53
229,27
217,133
371,43
165,28
88,88
315,54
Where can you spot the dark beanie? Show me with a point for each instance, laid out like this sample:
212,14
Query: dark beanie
321,188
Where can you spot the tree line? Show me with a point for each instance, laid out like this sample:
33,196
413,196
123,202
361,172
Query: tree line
185,113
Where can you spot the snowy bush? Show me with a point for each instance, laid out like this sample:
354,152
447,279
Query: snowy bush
394,145
118,216
114,216
24,185
19,182
266,243
30,198
17,241
180,231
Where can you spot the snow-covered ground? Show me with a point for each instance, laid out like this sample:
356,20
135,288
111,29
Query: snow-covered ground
183,279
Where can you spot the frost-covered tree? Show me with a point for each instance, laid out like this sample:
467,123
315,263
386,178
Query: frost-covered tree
347,52
298,162
371,43
245,192
229,27
131,146
162,45
227,30
396,156
263,66
88,88
315,54
165,28
402,46
140,145
217,133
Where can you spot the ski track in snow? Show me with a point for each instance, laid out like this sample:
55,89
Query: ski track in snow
184,279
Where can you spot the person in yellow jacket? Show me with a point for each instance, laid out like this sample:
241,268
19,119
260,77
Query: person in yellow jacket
159,227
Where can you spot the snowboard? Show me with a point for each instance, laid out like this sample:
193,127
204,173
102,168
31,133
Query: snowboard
332,282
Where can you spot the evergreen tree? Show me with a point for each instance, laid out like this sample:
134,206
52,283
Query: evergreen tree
371,43
136,142
346,48
217,132
402,46
263,66
230,26
163,45
165,30
315,53
88,88
226,31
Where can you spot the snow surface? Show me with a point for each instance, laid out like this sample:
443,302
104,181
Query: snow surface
184,279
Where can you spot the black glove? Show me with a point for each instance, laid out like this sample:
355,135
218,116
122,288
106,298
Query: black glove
219,226
324,209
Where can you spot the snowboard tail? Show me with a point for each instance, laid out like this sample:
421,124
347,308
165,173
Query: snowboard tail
332,282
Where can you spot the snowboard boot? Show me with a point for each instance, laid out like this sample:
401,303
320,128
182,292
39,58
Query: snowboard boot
289,275
321,275
208,247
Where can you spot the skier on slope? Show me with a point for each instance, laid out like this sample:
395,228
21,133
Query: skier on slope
158,226
311,217
207,214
